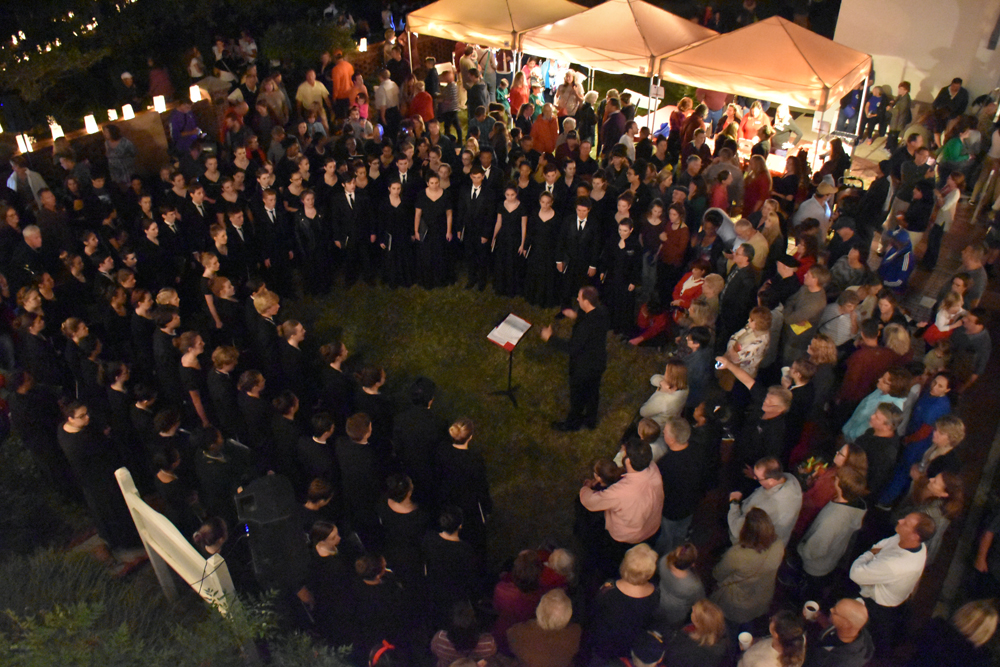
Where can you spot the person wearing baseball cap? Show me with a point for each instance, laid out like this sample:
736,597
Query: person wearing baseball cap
817,206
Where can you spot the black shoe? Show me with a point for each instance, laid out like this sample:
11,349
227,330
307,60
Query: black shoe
565,426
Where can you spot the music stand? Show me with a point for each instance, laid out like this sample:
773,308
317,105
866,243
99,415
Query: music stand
507,334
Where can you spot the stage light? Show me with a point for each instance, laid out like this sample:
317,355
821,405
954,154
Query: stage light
127,113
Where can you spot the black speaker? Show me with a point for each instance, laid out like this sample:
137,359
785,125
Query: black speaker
278,546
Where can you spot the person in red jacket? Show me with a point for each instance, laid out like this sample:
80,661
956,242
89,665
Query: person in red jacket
545,130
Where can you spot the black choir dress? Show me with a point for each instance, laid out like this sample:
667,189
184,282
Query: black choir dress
623,267
432,250
395,229
541,286
312,247
508,266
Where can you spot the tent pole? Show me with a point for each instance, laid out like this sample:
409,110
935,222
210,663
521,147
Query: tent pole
824,102
861,104
409,48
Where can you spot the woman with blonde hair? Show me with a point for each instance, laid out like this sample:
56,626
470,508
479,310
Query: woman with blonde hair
747,346
549,639
960,642
671,393
897,338
625,607
701,644
463,482
786,646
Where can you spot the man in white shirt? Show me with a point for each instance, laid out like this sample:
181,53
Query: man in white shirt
889,572
817,206
387,103
780,495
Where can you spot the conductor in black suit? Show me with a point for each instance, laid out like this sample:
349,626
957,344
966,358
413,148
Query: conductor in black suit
588,357
578,249
355,233
477,216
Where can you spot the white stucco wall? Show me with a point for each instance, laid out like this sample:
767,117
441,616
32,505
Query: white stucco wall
925,42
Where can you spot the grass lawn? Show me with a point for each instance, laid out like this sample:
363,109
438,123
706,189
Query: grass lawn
535,472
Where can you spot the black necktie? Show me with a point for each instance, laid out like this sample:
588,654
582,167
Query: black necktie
201,211
475,193
579,224
270,214
403,178
350,200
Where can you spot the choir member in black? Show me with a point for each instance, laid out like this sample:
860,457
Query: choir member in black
229,308
404,523
220,469
75,330
228,261
242,246
550,173
123,435
222,391
196,218
312,245
566,188
621,274
359,476
527,186
264,333
409,177
328,591
153,257
380,610
276,240
369,399
432,232
94,461
578,249
285,432
315,451
175,493
173,242
195,397
141,414
641,194
210,265
394,238
34,410
462,482
476,220
54,309
90,381
338,386
452,565
327,186
355,232
35,352
509,236
75,289
256,414
165,355
213,538
604,203
296,375
541,285
117,332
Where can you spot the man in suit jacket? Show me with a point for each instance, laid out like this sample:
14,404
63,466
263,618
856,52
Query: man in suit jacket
477,215
738,296
409,178
274,235
196,218
588,357
417,433
243,253
578,249
352,219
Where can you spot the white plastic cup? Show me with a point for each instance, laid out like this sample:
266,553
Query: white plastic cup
810,610
746,640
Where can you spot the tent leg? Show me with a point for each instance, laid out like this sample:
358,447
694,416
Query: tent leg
861,110
409,48
819,138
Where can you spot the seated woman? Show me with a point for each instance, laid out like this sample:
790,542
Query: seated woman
670,395
785,647
462,638
549,639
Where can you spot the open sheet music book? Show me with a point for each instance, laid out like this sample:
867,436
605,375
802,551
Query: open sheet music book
508,333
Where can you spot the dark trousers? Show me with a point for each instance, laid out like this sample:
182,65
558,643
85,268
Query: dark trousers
885,624
584,396
478,256
934,236
357,262
450,119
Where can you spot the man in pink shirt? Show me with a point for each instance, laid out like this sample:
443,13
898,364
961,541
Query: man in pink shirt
632,506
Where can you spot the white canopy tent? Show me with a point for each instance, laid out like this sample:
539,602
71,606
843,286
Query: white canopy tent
494,23
618,36
774,60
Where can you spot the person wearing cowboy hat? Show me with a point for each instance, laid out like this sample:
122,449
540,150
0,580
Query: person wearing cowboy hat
817,206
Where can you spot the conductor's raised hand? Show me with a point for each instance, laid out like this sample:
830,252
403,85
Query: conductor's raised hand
546,333
569,313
